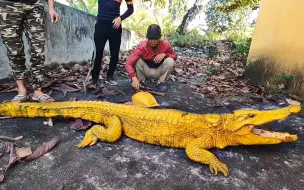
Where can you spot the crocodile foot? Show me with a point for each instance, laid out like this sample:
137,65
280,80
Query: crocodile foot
88,140
218,166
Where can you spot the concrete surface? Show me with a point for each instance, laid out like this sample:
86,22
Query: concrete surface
129,164
69,40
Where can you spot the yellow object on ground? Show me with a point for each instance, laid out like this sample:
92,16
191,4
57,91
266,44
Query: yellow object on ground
144,99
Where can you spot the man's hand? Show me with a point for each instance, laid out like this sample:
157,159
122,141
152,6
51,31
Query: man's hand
135,83
54,15
159,58
117,22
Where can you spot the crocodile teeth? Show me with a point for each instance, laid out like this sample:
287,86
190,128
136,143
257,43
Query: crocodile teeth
286,137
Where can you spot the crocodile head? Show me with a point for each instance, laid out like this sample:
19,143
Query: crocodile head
244,126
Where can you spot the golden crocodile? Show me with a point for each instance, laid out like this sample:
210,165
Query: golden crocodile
196,133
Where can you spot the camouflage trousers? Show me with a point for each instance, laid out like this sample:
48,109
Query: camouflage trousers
16,17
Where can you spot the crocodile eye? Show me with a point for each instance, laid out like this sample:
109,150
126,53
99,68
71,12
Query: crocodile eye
251,115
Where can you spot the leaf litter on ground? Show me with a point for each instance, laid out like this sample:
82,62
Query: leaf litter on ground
43,149
214,77
21,154
80,124
23,151
11,139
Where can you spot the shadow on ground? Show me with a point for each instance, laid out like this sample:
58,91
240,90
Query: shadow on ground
128,164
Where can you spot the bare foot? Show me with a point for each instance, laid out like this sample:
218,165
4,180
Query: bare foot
22,95
21,87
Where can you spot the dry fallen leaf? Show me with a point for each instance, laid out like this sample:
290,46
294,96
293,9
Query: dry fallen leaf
43,149
13,156
1,178
179,71
18,138
80,124
6,138
49,122
106,92
210,88
9,87
48,84
23,151
5,116
7,144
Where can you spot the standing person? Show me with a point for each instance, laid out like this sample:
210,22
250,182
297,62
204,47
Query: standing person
16,16
153,59
108,27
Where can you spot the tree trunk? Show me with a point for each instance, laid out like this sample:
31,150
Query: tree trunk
167,7
170,6
152,5
189,16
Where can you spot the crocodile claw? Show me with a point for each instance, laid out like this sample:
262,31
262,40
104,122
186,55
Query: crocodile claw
219,167
88,140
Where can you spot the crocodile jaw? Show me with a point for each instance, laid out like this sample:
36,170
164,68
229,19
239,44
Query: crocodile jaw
251,135
256,117
282,136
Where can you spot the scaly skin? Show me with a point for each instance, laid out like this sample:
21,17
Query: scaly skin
196,133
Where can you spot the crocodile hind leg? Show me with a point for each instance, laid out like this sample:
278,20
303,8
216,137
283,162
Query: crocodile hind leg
110,133
197,151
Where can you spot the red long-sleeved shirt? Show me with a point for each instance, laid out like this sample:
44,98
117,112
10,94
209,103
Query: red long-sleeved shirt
146,53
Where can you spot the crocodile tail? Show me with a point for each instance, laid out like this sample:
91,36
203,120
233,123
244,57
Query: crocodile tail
2,109
79,109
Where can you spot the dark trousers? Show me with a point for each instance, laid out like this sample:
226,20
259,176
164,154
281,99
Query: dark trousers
104,31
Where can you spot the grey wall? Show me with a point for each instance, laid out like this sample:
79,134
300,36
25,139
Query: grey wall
69,40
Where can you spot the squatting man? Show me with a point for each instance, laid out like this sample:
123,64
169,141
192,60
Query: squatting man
153,59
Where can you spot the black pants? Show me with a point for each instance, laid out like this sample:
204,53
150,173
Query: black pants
104,31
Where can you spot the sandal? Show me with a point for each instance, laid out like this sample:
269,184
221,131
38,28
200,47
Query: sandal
161,87
43,98
20,98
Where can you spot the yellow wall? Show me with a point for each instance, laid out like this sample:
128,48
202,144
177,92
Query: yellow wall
278,42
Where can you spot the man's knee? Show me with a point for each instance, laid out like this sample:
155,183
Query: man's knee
170,63
140,63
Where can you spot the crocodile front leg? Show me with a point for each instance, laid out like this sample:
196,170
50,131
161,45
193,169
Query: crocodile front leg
110,133
197,151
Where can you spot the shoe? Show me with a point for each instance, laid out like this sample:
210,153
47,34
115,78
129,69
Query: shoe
142,85
111,81
20,98
92,83
161,87
43,98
